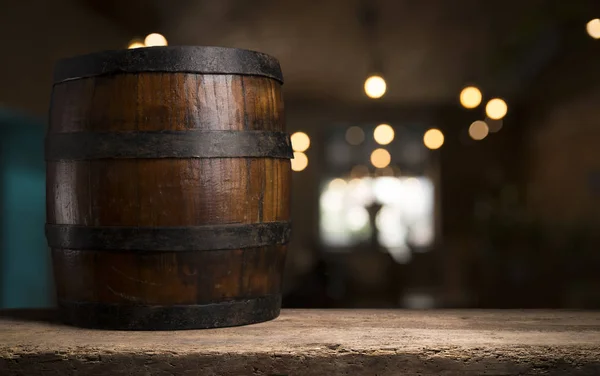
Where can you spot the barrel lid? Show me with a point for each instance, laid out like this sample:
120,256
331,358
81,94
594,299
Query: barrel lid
183,59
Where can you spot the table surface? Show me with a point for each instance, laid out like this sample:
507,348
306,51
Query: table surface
310,342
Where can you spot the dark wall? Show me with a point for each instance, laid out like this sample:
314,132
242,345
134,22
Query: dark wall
480,189
563,173
564,137
37,33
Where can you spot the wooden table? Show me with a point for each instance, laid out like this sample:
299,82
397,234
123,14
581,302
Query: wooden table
316,342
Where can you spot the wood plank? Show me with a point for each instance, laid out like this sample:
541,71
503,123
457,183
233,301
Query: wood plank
317,342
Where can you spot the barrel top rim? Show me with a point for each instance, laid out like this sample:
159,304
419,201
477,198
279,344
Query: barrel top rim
169,59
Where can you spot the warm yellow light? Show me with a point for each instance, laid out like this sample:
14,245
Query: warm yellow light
380,158
300,161
155,39
593,28
470,97
496,109
433,139
383,134
479,130
135,44
300,141
337,184
375,87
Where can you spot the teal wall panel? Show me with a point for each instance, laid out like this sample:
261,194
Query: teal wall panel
25,274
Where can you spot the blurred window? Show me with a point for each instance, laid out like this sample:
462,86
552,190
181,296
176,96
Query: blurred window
399,211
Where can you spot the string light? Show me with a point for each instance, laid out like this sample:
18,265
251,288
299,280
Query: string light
470,97
300,141
383,134
433,139
300,161
380,158
375,87
496,109
478,130
155,39
593,28
136,43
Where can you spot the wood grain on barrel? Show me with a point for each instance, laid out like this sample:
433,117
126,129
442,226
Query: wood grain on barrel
167,192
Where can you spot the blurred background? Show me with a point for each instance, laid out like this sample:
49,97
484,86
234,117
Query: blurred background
447,152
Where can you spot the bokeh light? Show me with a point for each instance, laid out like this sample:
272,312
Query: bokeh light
337,184
593,28
300,141
359,171
300,161
136,43
375,87
494,125
357,218
355,135
380,158
155,39
433,139
470,97
386,171
478,130
383,134
496,109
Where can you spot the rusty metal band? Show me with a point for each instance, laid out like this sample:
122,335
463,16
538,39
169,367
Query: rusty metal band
178,59
168,239
174,317
167,144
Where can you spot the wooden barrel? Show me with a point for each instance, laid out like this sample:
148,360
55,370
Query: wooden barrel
168,188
